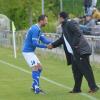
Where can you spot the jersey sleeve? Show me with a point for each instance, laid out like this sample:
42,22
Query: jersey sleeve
44,39
35,38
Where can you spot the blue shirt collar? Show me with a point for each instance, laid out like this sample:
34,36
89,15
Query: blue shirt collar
38,26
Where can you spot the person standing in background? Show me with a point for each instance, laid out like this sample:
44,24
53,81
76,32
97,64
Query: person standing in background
89,5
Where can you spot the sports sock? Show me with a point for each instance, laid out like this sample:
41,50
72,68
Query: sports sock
35,76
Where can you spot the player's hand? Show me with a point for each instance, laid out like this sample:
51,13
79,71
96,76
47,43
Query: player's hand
49,46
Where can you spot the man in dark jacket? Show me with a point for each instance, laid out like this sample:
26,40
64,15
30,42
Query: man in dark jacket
87,5
77,52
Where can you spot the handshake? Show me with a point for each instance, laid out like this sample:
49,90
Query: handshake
50,46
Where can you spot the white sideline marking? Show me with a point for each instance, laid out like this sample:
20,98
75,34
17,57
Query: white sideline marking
98,85
44,78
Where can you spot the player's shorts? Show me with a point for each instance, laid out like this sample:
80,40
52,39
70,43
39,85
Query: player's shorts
31,59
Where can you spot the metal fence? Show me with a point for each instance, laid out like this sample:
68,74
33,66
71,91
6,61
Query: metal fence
6,41
5,38
94,42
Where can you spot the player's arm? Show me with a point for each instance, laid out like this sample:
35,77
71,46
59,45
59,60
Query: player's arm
35,43
44,39
35,39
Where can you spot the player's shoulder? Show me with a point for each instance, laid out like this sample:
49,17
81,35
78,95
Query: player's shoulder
34,27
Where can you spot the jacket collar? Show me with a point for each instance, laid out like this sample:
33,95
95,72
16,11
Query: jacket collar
65,21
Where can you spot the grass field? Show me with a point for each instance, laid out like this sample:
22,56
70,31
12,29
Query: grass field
56,80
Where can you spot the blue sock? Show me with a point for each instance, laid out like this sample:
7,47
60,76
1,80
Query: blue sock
35,76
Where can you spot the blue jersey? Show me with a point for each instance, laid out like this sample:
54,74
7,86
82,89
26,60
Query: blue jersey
33,36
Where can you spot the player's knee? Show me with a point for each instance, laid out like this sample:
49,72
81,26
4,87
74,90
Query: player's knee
35,68
39,66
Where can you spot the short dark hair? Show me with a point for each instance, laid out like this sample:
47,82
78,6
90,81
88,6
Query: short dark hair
41,17
63,14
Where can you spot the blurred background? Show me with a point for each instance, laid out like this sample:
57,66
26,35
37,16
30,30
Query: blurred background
25,12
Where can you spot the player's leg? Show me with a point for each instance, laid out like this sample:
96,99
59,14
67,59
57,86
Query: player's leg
36,88
33,61
35,77
40,68
38,65
36,71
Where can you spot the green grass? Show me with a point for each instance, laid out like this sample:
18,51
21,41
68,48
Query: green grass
15,84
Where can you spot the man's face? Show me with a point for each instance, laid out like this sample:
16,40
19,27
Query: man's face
60,19
44,22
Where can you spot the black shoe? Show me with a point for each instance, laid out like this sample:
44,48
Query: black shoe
39,92
42,92
73,91
94,90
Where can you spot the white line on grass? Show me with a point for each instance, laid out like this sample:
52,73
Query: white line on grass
98,85
48,80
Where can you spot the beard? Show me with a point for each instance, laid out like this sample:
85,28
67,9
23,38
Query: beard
43,25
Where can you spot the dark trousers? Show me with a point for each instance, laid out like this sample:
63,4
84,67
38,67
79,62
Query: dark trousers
81,67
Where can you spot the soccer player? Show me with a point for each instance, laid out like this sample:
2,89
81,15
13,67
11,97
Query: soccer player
33,36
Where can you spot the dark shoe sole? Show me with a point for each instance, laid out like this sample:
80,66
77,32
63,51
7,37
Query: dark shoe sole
94,90
40,92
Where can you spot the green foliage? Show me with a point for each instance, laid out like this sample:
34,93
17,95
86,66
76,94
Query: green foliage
25,12
73,6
